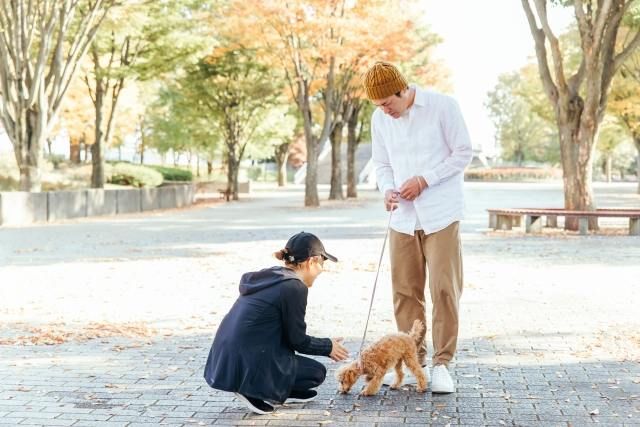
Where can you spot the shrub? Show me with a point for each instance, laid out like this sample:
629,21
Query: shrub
174,174
135,175
511,174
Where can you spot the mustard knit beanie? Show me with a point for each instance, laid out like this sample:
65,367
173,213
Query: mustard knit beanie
383,80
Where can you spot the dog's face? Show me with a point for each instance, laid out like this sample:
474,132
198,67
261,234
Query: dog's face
347,376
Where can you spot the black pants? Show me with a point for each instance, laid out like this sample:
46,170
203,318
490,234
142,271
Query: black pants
309,374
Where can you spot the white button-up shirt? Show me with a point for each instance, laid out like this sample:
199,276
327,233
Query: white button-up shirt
431,140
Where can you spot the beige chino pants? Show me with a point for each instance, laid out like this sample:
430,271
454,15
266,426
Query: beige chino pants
438,257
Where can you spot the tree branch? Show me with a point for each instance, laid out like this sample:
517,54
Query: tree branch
541,8
541,53
627,51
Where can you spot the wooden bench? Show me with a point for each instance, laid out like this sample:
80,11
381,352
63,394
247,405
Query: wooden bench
506,219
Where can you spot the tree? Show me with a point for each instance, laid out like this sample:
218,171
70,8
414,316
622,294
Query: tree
523,135
407,45
76,117
300,37
175,122
625,102
320,45
41,43
124,53
235,91
579,100
610,144
273,137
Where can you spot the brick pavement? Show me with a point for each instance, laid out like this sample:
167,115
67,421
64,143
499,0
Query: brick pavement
549,332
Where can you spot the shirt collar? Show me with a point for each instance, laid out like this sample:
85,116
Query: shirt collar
420,98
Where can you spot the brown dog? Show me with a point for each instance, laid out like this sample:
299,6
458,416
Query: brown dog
375,360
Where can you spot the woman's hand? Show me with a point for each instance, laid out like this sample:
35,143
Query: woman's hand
338,351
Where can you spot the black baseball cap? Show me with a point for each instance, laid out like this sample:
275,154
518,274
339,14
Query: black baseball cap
304,245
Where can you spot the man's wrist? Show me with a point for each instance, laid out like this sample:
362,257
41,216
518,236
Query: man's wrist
422,183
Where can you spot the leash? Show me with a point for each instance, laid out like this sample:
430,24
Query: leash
375,283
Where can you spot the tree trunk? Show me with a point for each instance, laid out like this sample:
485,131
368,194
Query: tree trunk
142,142
233,166
576,152
608,166
352,145
311,198
311,179
97,149
74,152
209,167
281,155
28,152
335,192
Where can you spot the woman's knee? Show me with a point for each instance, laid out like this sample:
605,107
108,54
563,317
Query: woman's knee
321,373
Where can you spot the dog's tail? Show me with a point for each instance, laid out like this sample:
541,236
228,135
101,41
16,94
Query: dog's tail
416,331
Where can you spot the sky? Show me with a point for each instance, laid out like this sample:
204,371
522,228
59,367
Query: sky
483,39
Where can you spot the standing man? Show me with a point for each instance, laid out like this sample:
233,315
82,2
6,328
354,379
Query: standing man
421,147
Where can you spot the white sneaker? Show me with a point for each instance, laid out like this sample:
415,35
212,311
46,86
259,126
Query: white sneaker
441,381
409,378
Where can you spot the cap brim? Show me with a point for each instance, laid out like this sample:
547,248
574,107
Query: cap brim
329,257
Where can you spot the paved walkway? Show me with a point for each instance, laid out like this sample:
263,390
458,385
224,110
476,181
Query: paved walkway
108,322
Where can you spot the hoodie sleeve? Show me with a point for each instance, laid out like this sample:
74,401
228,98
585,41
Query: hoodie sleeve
294,306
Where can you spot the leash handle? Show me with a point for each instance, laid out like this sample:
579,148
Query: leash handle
375,283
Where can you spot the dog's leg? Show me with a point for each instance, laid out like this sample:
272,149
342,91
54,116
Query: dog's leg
374,384
399,376
411,359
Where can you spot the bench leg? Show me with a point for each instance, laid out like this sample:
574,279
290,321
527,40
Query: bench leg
492,221
533,223
552,221
634,226
583,223
503,222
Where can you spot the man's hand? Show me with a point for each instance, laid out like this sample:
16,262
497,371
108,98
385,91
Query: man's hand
338,351
412,188
391,200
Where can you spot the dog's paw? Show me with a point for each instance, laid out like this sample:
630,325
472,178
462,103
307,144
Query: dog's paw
421,390
366,393
395,386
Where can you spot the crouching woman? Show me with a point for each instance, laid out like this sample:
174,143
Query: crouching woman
254,351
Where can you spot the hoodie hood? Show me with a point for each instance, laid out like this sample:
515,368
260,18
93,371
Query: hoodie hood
258,280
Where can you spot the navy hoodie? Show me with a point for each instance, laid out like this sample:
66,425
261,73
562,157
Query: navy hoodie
254,348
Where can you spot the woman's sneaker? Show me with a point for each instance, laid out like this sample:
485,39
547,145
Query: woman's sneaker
255,405
301,396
